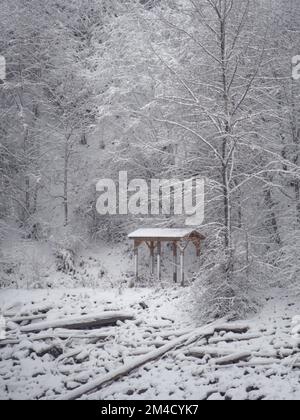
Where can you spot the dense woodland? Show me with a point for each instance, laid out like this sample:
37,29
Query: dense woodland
161,89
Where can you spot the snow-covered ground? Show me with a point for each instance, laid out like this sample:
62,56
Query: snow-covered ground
36,368
30,264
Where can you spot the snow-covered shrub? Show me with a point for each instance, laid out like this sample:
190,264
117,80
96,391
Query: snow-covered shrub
66,244
85,214
217,292
65,259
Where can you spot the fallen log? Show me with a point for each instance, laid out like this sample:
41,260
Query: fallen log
66,336
8,342
230,338
200,352
177,333
263,364
233,359
235,327
140,361
102,319
70,354
19,320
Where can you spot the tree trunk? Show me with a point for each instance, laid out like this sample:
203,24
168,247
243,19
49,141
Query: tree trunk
227,131
272,220
26,177
66,181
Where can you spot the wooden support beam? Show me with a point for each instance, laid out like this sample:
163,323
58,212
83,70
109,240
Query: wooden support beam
152,256
136,259
159,261
175,262
182,268
182,246
151,246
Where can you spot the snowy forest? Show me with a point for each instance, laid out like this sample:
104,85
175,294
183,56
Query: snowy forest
159,90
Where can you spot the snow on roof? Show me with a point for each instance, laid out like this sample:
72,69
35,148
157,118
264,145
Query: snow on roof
162,233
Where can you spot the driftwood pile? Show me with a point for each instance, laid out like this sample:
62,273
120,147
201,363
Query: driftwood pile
38,327
221,358
64,327
140,361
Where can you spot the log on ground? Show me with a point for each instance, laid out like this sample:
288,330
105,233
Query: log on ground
95,385
81,322
234,358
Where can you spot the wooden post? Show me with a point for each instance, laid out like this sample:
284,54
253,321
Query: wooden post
159,260
175,262
182,266
152,262
136,259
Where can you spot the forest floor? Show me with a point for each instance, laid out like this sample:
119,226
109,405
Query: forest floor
261,354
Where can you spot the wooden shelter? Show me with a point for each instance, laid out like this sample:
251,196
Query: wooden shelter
153,238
